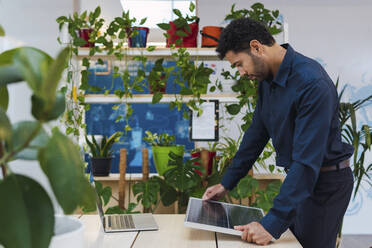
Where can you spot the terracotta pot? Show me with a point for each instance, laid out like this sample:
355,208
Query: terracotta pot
210,36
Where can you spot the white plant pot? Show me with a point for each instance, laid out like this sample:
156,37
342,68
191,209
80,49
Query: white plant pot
69,232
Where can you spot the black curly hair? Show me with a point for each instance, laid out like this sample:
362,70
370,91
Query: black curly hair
238,34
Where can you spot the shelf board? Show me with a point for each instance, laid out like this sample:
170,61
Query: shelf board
196,53
147,98
138,176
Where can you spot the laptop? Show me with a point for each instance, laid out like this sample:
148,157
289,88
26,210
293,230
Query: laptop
125,222
219,216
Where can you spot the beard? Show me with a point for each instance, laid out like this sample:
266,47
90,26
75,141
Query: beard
261,70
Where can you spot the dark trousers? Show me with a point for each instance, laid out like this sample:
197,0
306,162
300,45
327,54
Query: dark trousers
319,218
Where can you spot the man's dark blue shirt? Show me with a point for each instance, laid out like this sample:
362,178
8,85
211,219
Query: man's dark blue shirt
298,110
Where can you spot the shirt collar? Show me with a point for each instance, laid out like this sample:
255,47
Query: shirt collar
285,66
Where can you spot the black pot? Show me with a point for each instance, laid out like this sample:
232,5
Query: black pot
101,166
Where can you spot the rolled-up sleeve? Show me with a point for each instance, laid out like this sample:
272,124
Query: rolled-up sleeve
316,106
254,141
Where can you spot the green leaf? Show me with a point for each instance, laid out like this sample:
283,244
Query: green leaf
178,42
2,33
78,42
97,12
233,109
93,149
164,26
44,112
23,132
54,74
110,142
61,162
26,213
247,186
185,91
192,7
177,13
138,87
146,192
9,72
181,33
5,126
352,116
4,97
33,64
87,194
157,97
182,175
30,153
143,21
151,48
114,210
106,195
168,194
367,134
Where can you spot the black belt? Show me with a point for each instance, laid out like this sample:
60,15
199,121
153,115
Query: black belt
341,165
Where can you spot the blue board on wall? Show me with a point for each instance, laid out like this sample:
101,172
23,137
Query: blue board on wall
101,76
157,118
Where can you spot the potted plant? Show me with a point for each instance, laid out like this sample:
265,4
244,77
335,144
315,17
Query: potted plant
105,195
207,157
162,145
27,216
259,13
157,80
84,28
193,79
359,137
183,31
180,182
101,154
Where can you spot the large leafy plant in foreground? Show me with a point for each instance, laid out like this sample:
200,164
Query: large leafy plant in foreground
26,210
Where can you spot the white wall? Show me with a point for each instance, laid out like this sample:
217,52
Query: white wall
339,35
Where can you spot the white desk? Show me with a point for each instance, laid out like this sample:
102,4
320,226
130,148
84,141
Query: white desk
171,234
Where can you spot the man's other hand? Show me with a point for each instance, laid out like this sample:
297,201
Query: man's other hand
254,232
215,192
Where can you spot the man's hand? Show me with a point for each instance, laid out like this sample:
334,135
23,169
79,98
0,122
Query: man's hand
254,232
215,192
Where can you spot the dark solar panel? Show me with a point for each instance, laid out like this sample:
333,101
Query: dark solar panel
221,214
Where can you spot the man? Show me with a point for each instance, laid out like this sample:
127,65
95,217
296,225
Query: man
297,108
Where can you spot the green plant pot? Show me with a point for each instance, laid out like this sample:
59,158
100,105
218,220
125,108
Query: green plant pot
160,156
101,166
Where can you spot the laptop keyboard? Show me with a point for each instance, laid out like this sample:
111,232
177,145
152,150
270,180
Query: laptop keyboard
120,221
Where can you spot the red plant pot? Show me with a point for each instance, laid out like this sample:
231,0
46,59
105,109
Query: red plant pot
158,89
84,34
196,155
211,156
187,41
